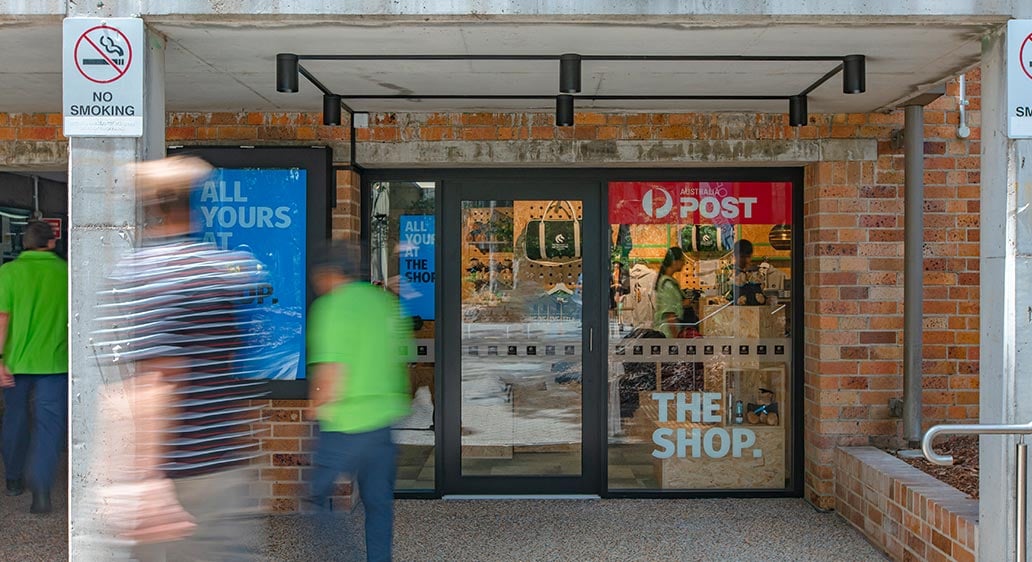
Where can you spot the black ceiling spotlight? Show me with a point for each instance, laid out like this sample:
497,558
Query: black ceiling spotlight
797,116
564,110
570,73
854,74
331,109
286,72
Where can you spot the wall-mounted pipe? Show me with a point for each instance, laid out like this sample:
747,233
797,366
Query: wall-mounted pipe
36,214
913,271
963,131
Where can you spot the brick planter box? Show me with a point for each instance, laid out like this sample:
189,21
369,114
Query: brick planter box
907,513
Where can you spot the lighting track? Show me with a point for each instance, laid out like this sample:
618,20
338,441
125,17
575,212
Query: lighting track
288,68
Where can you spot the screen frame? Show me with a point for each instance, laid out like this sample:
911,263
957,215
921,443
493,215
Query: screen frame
317,162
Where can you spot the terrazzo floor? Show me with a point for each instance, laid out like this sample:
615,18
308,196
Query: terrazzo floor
581,530
26,537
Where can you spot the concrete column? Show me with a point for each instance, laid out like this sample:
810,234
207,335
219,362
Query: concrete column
1006,302
102,226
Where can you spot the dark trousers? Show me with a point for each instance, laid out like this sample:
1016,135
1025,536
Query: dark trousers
369,458
34,449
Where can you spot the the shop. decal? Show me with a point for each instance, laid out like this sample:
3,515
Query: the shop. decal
264,211
699,202
713,442
417,265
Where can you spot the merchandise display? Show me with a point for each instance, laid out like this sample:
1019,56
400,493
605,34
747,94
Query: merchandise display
702,402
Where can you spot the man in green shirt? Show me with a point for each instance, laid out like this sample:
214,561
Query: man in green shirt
34,333
357,354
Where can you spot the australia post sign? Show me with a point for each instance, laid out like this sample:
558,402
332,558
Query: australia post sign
103,77
700,202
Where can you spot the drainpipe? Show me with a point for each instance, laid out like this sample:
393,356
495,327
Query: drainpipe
913,271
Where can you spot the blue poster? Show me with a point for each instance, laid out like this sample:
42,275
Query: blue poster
264,211
416,267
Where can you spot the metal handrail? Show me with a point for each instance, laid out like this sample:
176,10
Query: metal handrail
967,429
1021,470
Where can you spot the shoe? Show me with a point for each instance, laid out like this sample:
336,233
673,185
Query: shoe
40,502
15,487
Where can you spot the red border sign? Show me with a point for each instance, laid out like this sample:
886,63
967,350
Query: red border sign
121,70
1025,63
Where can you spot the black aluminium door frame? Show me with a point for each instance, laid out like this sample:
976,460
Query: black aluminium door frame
601,177
506,188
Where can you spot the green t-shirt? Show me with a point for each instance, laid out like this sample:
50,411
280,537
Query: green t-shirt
34,293
360,326
669,300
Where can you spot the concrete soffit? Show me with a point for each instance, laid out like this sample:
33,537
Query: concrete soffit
688,9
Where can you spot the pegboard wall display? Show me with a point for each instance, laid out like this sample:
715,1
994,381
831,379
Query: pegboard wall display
495,259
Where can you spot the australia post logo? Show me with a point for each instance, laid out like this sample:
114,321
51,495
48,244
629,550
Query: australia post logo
700,202
657,202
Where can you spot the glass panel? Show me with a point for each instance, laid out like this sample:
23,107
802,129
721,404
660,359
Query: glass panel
521,338
700,342
402,242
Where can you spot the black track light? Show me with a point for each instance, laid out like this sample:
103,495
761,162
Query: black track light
331,109
570,73
797,116
564,110
854,74
286,72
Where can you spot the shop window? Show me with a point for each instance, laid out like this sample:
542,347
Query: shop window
700,365
402,242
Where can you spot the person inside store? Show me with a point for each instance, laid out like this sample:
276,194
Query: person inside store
34,364
746,289
668,295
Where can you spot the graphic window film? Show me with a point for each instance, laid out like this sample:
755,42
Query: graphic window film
402,249
699,335
264,211
522,330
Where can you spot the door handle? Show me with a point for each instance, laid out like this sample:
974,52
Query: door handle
591,339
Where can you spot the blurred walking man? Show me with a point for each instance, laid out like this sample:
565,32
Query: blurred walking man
34,333
183,314
359,387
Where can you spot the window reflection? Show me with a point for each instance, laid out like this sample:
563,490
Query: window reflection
402,260
699,354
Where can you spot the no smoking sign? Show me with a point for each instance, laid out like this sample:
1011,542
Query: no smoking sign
1019,79
103,54
103,77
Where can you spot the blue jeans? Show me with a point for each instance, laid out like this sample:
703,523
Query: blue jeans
369,458
36,453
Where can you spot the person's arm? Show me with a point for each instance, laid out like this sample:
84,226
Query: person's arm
327,383
6,378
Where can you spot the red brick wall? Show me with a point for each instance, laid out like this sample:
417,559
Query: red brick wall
906,512
854,286
853,245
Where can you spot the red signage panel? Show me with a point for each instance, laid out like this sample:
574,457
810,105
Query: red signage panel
55,225
700,202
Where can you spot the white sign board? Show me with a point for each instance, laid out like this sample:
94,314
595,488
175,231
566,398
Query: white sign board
103,77
1019,79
